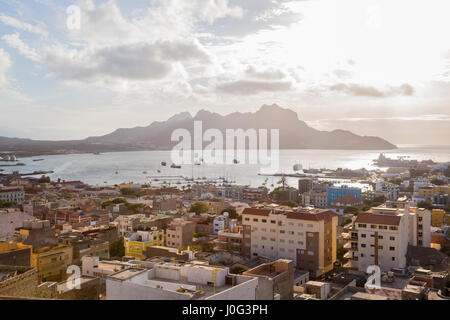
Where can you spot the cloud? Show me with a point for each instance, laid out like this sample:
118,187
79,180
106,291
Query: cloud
268,74
5,64
370,91
250,87
13,22
138,61
14,41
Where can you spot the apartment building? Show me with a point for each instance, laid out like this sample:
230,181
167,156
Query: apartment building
136,243
336,192
12,194
389,190
381,236
230,241
179,233
10,219
221,223
439,218
315,199
307,237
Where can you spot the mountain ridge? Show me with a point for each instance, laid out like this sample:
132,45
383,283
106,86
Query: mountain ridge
294,134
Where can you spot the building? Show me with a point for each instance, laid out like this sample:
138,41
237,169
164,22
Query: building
93,266
315,199
304,185
136,243
229,241
12,194
381,236
15,254
179,233
10,220
389,190
439,218
18,281
220,223
83,246
133,223
307,237
181,281
278,275
334,193
52,262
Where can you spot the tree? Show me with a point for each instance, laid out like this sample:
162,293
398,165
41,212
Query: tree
7,204
346,222
232,214
44,179
117,248
425,204
199,208
351,210
289,203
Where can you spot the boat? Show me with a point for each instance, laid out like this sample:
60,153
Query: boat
35,160
159,171
297,167
96,153
384,161
163,164
144,172
174,166
117,172
235,161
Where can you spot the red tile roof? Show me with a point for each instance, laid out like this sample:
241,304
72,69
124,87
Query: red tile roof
256,211
385,219
347,199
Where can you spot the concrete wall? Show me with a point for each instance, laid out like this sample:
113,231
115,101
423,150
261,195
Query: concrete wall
243,291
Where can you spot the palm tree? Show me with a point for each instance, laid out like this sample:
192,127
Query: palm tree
283,181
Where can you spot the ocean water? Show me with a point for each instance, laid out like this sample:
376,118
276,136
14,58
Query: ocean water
130,166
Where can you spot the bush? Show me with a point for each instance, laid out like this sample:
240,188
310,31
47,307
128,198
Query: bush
117,248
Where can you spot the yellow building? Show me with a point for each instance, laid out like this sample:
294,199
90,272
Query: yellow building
52,262
136,244
437,217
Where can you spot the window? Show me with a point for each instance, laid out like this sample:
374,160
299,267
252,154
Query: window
392,238
255,220
380,247
393,258
362,255
310,253
282,231
373,226
264,220
247,219
363,235
420,219
310,235
380,237
363,245
383,227
392,248
273,221
310,225
393,228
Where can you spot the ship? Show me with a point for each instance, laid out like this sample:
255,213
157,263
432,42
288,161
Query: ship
38,160
174,166
163,164
384,161
235,161
297,167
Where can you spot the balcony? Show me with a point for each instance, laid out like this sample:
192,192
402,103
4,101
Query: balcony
348,246
350,256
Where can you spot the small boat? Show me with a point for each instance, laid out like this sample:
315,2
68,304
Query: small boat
117,172
159,171
96,153
235,161
174,166
163,164
144,172
35,160
198,164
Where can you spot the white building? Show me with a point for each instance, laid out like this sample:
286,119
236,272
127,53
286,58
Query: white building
381,236
221,223
180,281
8,194
389,190
10,220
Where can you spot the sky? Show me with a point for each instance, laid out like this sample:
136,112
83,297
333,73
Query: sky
374,67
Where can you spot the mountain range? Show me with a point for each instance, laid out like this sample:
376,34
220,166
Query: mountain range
294,134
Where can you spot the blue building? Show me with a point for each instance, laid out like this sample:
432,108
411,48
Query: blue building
334,193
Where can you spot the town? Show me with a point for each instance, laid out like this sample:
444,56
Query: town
68,240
